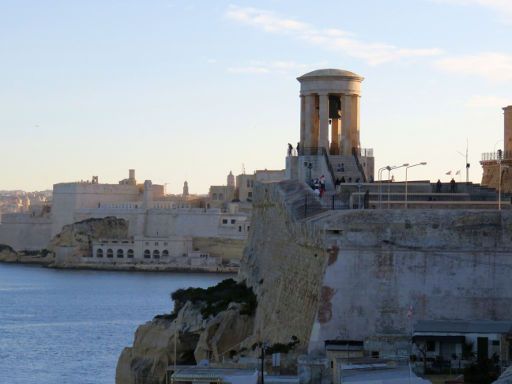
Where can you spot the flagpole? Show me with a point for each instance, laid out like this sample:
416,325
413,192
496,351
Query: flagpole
467,161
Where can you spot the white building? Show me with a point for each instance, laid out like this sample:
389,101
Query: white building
161,228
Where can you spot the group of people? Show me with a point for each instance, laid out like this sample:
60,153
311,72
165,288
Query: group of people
290,149
453,186
318,185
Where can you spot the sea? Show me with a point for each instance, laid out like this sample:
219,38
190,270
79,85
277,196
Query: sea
70,326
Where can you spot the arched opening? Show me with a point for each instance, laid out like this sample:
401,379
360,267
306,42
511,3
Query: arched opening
110,253
165,253
130,254
99,253
147,254
156,254
120,253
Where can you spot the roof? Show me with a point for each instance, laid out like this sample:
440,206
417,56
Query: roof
460,326
445,339
374,375
211,373
330,72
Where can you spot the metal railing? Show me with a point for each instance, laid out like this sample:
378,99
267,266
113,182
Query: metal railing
319,151
498,155
360,167
366,152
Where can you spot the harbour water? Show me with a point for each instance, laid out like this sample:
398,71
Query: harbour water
64,326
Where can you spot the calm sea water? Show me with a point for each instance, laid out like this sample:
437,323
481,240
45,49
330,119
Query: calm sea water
59,326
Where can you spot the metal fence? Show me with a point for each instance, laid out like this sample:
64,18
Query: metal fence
498,155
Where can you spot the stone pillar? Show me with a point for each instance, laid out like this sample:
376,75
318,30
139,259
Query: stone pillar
309,120
354,127
507,140
302,121
323,114
316,122
335,137
346,117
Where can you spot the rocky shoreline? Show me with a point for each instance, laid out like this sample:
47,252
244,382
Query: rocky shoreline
10,256
71,249
206,324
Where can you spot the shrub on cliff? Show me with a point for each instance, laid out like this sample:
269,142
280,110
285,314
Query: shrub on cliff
217,298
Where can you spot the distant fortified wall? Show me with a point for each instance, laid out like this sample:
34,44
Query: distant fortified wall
356,274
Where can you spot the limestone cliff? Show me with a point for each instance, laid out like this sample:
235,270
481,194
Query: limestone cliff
202,326
354,274
74,241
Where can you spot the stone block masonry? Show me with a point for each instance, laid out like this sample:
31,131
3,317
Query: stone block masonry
355,274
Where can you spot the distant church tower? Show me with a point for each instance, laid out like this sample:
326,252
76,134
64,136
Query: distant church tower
185,189
231,179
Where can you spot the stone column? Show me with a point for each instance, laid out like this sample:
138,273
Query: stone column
346,117
354,127
507,140
323,114
335,136
309,109
302,121
316,122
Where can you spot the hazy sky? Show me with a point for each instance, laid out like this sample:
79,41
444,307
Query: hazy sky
189,90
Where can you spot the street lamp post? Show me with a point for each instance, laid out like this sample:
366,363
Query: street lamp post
406,169
380,183
389,174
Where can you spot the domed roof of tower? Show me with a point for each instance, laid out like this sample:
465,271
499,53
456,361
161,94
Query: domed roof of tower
330,72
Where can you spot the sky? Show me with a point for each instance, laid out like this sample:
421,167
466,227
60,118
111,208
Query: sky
190,90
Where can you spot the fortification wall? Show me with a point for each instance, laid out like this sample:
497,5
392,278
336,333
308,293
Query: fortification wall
491,176
67,197
22,231
283,263
355,274
444,264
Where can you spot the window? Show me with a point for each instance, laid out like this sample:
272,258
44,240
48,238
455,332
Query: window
165,243
431,346
120,253
233,221
249,194
221,196
156,254
110,253
248,228
239,228
147,242
99,253
375,354
248,183
496,343
147,254
224,221
156,242
165,253
130,254
214,196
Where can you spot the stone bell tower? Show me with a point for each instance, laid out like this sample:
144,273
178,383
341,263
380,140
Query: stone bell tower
329,113
329,143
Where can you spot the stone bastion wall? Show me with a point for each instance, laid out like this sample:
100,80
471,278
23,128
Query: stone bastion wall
356,274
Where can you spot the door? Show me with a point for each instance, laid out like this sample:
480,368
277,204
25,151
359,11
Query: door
482,344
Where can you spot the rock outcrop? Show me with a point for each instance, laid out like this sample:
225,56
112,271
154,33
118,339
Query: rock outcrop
9,255
201,327
74,241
